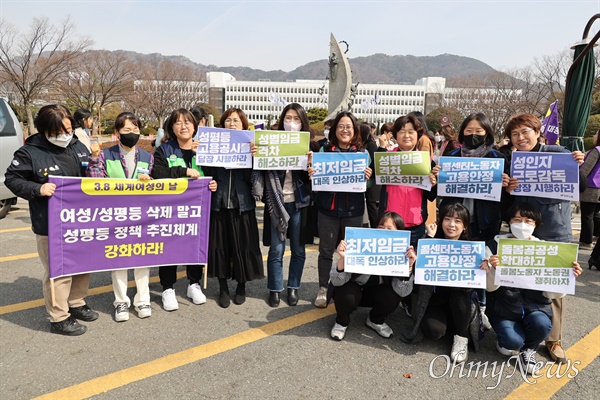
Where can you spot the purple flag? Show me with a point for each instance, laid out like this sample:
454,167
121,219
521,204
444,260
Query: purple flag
550,124
103,224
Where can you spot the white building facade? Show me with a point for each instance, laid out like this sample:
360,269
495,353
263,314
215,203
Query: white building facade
263,100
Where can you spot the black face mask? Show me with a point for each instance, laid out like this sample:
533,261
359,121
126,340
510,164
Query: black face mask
473,141
129,139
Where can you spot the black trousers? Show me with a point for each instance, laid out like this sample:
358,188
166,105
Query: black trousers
351,295
590,225
168,275
447,307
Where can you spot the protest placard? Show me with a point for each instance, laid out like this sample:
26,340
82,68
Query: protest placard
404,168
340,172
226,148
471,177
454,263
281,150
549,175
537,265
102,224
377,252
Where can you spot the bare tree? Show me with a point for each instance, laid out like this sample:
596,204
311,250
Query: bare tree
33,61
164,86
103,78
493,95
502,94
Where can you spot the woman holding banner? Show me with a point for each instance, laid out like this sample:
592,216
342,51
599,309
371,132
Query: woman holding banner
287,197
54,150
521,318
524,132
233,242
476,136
125,160
176,158
381,293
440,310
337,210
409,202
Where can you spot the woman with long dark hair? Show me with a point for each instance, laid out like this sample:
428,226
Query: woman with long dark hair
476,136
287,197
338,210
234,251
82,124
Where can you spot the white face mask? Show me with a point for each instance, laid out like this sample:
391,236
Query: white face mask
292,126
325,132
522,230
61,140
439,138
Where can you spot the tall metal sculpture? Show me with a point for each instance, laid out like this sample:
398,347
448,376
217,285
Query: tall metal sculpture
340,80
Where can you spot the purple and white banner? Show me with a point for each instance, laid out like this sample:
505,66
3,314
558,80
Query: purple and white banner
103,224
547,175
550,124
226,148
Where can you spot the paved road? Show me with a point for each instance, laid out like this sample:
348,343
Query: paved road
248,351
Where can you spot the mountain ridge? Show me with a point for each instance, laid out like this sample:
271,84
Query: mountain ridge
376,68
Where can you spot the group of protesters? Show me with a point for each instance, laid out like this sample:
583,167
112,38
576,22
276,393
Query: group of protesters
521,318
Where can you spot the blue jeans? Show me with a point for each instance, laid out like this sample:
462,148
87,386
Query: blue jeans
527,333
277,248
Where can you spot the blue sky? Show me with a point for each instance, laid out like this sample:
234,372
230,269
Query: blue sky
286,34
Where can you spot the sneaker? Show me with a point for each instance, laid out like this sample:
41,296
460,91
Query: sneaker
321,300
484,319
556,351
68,327
144,311
169,300
460,349
587,246
338,332
83,313
528,361
506,352
121,312
194,292
382,329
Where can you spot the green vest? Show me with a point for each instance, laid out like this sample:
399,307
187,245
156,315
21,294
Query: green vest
114,167
174,157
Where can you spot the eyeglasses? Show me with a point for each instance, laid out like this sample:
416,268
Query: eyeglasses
345,128
516,220
524,132
179,124
289,118
234,121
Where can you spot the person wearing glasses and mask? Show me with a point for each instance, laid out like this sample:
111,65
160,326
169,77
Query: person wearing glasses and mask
233,243
176,158
524,133
54,150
